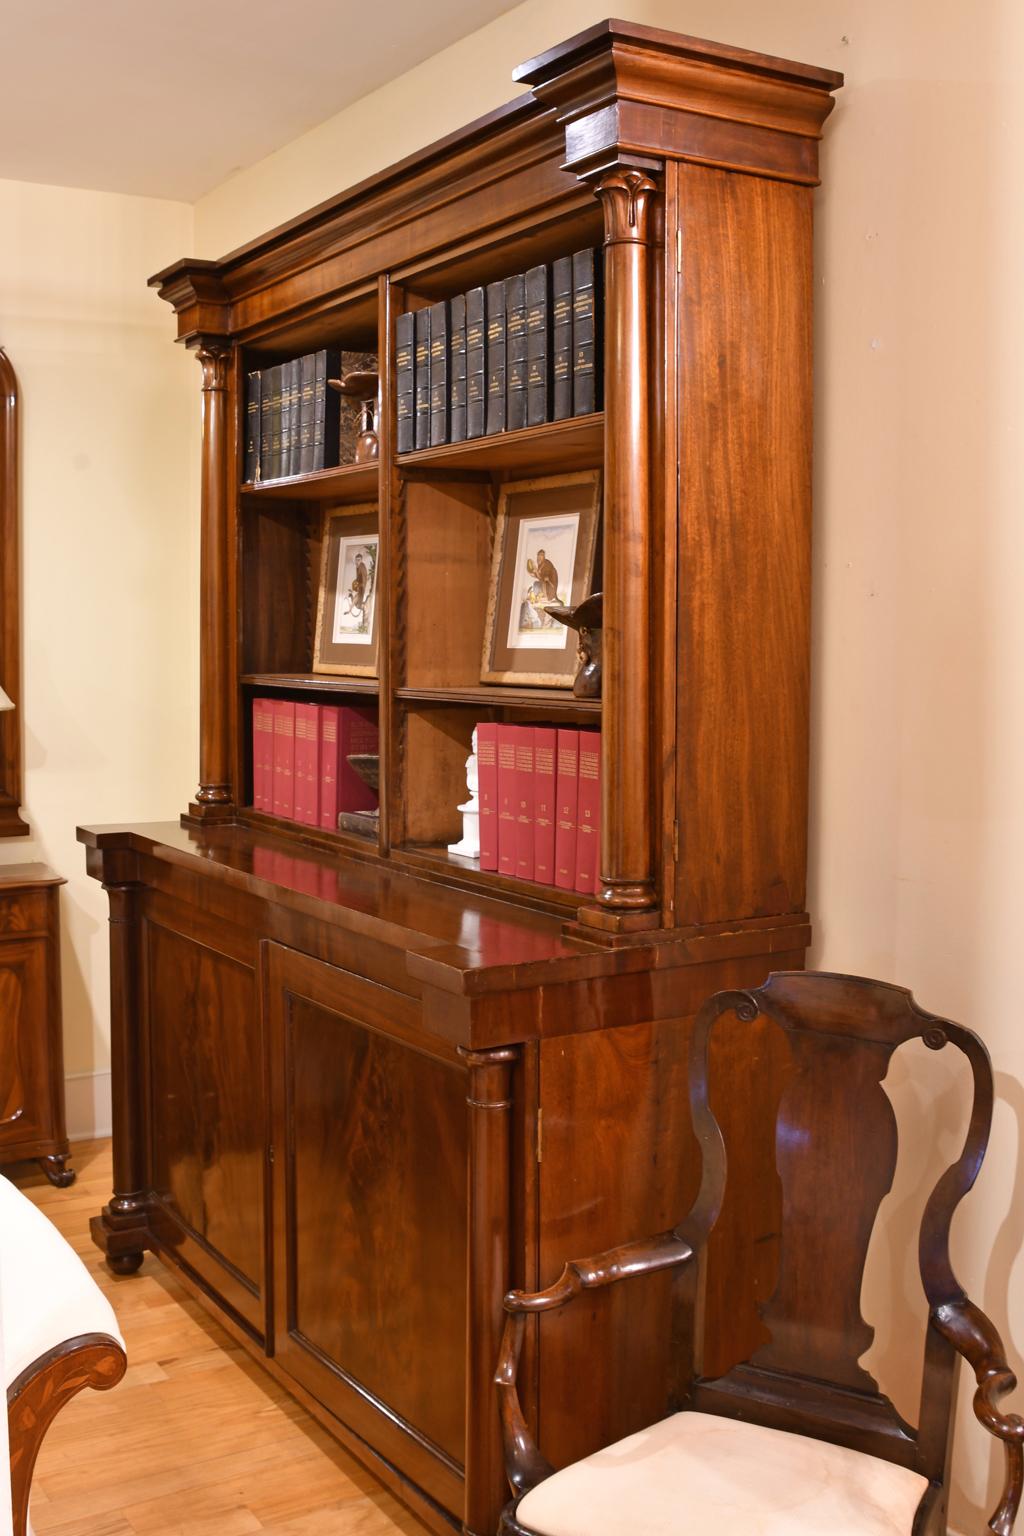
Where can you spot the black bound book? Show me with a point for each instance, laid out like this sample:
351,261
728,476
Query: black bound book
405,343
586,340
307,409
252,427
515,361
457,371
538,346
326,415
421,377
561,338
476,376
286,419
266,422
274,382
295,401
439,320
494,355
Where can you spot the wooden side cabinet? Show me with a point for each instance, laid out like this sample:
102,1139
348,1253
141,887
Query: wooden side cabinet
32,1121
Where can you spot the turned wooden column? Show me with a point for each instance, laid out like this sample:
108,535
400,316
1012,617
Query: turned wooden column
490,1102
118,1230
214,797
628,897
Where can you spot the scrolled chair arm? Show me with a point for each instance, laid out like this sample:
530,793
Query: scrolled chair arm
524,1464
977,1339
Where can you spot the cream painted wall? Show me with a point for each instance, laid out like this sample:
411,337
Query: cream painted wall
109,584
918,726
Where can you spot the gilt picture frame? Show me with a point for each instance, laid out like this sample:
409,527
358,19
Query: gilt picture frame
545,552
348,609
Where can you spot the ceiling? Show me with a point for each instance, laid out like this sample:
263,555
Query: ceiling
123,96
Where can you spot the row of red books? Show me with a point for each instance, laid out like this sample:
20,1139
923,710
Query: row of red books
300,753
540,804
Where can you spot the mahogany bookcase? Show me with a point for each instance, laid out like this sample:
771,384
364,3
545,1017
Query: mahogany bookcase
359,1090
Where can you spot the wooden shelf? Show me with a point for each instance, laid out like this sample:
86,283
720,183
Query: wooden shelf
434,858
535,699
346,482
301,832
558,445
314,682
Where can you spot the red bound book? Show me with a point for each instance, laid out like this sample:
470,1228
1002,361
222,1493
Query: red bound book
329,766
566,799
487,771
544,743
284,758
524,802
588,814
259,793
307,764
507,837
267,751
357,735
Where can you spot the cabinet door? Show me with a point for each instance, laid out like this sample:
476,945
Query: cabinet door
208,1123
369,1132
26,1102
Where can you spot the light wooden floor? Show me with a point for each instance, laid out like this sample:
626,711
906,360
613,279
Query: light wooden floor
196,1440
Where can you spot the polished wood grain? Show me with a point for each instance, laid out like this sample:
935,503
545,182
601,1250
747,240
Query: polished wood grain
205,1441
11,822
32,1118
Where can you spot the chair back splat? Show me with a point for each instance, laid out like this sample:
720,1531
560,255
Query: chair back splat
835,1152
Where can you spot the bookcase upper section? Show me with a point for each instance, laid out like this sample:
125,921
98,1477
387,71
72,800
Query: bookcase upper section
693,166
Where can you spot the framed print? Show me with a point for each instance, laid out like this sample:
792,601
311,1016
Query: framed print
346,612
545,544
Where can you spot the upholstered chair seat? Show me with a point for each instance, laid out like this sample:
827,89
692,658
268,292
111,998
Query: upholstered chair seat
697,1473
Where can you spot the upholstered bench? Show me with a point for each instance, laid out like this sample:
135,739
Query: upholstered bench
58,1334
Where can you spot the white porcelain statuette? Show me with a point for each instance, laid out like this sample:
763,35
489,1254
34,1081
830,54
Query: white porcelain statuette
469,845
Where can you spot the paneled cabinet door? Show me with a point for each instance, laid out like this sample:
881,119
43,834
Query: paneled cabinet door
26,1101
369,1196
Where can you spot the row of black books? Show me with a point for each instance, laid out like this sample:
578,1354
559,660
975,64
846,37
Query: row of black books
516,353
295,424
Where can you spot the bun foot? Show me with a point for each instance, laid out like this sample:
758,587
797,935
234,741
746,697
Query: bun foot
57,1171
125,1263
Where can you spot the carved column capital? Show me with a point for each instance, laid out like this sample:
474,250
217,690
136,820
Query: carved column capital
626,194
213,354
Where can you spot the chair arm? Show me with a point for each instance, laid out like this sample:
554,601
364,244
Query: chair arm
524,1464
977,1339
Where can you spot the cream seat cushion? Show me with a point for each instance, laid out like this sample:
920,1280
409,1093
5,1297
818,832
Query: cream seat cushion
46,1293
695,1473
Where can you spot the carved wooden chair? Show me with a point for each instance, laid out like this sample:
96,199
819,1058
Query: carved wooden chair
798,1438
58,1334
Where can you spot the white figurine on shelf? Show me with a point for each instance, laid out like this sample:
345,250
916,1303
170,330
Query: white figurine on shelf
469,845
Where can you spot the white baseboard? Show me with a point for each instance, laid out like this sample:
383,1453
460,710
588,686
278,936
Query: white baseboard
87,1098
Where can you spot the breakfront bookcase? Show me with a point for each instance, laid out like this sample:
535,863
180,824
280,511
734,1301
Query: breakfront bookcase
361,1089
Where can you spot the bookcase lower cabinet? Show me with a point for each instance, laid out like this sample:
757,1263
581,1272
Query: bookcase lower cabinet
350,1136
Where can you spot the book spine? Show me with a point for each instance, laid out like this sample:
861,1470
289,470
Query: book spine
275,421
329,766
284,758
561,338
286,418
258,802
566,801
307,411
476,373
263,755
588,815
524,802
515,352
357,733
252,427
440,317
538,346
487,769
421,377
307,764
405,344
507,838
586,360
494,355
295,395
266,431
457,371
319,408
544,745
